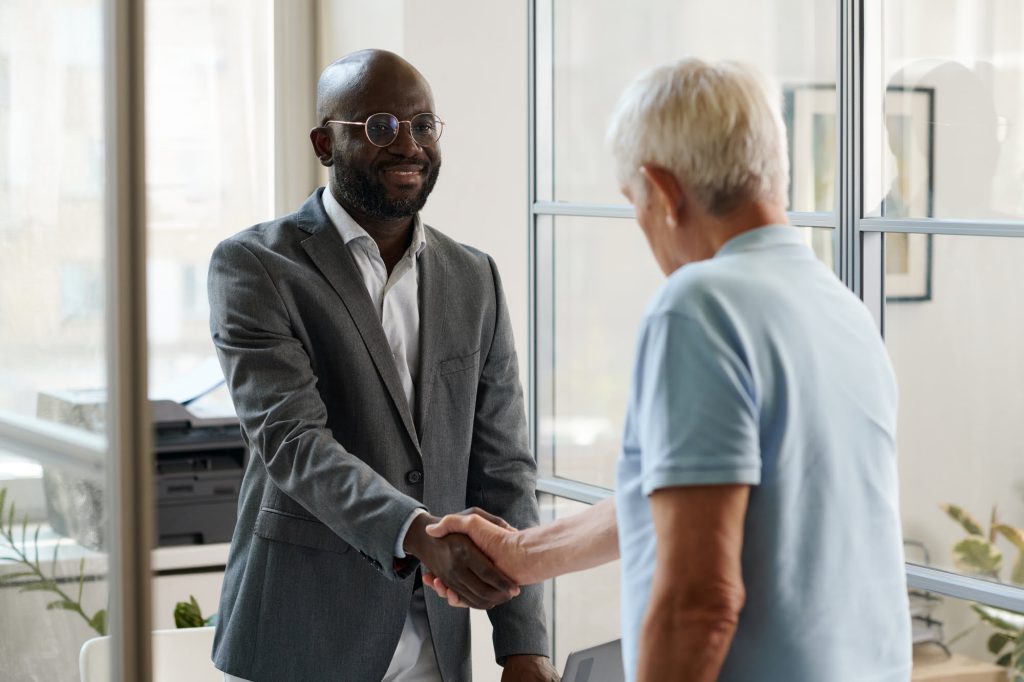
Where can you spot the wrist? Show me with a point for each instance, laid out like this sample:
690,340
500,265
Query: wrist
521,659
416,537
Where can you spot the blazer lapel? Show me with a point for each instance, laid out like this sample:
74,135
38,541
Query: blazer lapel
433,281
329,253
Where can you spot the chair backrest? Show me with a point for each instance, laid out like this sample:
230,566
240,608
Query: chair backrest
177,655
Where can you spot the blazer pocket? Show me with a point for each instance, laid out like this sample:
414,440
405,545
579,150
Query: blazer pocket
459,364
281,526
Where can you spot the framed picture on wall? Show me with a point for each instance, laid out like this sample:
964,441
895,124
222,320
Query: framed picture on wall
910,144
810,116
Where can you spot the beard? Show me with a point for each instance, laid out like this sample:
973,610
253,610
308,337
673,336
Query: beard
366,193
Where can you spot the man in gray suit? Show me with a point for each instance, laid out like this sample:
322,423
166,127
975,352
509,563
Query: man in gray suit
371,362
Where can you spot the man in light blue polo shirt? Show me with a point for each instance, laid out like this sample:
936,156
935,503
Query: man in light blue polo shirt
757,512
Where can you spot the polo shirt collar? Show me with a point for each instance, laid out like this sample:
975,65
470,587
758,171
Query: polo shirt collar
767,237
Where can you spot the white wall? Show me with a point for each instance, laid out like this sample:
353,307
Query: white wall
474,56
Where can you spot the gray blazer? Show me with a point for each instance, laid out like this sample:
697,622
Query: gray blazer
338,460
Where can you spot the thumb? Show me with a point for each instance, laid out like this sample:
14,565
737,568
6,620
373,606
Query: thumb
449,524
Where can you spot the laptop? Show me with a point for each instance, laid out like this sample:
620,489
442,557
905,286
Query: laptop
601,663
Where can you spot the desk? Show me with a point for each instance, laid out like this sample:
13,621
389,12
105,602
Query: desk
932,665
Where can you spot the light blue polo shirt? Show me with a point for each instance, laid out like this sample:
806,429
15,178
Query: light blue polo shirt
759,367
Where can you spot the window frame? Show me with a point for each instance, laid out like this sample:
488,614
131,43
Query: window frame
858,242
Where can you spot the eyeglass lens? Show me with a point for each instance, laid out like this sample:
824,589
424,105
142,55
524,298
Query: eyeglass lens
382,129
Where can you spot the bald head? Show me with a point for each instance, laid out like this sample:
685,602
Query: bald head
358,77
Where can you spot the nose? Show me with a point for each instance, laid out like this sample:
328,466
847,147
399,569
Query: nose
404,145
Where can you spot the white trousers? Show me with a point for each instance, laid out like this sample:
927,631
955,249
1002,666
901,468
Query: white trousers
413,660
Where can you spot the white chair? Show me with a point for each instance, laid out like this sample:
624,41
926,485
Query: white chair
178,656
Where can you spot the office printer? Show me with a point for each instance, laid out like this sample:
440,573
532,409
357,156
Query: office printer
198,467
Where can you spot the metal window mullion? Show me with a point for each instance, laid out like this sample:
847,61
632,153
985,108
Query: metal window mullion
966,587
625,211
972,228
531,222
573,490
130,468
536,61
849,143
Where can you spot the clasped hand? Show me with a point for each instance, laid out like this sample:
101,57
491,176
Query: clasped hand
452,559
496,540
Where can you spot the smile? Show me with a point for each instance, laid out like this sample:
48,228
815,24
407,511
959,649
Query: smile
404,171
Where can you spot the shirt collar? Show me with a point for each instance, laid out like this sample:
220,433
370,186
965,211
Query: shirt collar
350,230
767,237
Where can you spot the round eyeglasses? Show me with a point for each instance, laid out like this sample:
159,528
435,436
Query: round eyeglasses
382,129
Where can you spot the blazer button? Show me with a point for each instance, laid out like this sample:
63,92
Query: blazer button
414,477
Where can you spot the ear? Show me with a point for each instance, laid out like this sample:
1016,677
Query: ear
323,145
666,194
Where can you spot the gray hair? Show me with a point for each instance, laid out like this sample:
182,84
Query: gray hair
714,126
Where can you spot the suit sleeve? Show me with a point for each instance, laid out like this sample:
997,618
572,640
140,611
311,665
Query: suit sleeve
273,387
503,477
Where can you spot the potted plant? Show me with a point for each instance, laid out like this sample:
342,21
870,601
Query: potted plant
979,553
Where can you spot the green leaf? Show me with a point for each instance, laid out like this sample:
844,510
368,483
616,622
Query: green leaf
1017,574
961,516
99,622
998,641
977,555
1014,535
65,604
1002,619
3,498
1003,660
187,614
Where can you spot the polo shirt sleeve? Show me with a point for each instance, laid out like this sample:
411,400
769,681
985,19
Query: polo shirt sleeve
696,409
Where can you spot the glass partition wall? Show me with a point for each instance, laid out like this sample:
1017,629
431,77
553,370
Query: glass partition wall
903,118
95,206
74,480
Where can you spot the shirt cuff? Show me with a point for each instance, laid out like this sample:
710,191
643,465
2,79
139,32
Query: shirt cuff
399,544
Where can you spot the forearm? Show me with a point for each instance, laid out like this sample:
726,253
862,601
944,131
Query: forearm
575,543
685,644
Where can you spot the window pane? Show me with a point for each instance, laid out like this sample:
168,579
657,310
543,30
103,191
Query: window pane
958,359
52,328
954,92
209,115
586,604
600,278
951,639
790,40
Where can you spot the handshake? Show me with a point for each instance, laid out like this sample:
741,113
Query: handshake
472,559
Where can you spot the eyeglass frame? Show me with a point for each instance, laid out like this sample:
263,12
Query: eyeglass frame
398,130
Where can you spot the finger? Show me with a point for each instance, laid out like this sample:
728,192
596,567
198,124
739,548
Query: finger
486,515
447,525
485,570
431,581
441,589
456,602
474,578
465,585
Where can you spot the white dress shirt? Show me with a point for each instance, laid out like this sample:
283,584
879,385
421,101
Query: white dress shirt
396,300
